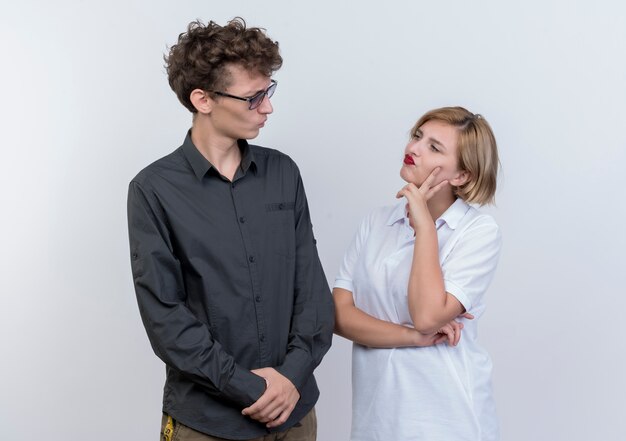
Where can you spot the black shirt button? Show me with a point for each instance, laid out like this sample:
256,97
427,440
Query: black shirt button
251,258
242,219
262,337
257,298
135,255
281,206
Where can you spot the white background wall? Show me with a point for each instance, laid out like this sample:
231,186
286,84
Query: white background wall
85,104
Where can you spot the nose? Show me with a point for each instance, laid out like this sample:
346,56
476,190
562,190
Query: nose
266,106
414,147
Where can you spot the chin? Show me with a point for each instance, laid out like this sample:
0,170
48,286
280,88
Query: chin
406,177
403,174
252,134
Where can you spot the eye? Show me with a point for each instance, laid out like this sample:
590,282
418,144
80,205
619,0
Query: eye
434,148
417,135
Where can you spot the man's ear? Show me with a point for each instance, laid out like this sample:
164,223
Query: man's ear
201,101
461,178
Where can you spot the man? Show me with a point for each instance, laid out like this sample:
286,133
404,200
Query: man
228,280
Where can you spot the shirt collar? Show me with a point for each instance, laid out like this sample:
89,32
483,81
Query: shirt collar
398,213
452,216
201,165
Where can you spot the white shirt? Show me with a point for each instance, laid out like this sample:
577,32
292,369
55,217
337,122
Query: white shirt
433,393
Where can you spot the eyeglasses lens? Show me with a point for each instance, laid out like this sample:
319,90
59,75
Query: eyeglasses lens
270,90
258,99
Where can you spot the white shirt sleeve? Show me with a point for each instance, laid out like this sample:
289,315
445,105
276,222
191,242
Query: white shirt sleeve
345,276
470,266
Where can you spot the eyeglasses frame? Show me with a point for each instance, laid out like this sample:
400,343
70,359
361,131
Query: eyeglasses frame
250,100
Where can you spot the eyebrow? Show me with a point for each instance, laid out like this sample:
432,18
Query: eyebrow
253,93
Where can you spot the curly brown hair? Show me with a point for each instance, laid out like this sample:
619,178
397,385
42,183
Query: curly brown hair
200,58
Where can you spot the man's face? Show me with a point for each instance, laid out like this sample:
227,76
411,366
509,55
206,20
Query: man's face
231,117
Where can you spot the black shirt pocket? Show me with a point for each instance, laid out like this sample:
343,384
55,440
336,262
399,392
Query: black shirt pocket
282,228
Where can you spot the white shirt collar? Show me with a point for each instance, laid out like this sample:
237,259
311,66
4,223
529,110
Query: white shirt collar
452,216
398,213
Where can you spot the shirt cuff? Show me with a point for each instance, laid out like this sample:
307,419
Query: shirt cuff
457,292
297,367
344,284
244,387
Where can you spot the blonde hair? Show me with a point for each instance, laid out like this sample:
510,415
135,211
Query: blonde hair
477,152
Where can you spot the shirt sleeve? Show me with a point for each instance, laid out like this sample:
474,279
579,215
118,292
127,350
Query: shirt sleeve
176,335
470,266
313,318
345,276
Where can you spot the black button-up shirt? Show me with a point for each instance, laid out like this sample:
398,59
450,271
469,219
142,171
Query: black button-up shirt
228,279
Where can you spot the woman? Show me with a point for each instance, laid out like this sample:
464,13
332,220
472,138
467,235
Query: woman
411,270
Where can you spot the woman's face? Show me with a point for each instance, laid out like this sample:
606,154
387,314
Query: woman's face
434,144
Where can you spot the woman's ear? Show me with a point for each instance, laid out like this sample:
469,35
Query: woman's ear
461,178
201,101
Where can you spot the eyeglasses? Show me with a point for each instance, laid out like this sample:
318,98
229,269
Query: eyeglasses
256,100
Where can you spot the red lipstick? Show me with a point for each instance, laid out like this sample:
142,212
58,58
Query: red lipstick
408,160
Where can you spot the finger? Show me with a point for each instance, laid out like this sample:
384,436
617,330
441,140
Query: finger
453,335
467,315
445,337
440,339
457,333
258,406
449,333
281,419
276,421
430,179
401,193
275,414
269,413
432,191
406,190
260,412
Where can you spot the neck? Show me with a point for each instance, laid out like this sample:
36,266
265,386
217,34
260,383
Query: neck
221,151
439,203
